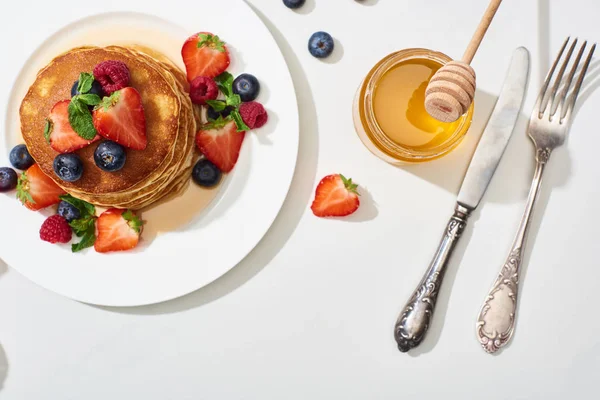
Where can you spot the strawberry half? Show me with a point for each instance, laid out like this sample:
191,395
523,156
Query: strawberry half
336,196
121,119
59,132
36,190
117,230
220,142
204,54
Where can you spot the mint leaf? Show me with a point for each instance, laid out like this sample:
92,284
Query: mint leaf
82,225
225,83
80,119
87,240
85,209
239,122
80,106
216,105
133,221
85,82
234,100
48,129
89,99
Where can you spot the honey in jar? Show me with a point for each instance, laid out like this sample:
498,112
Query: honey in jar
389,110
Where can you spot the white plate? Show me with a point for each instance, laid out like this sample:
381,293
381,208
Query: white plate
187,256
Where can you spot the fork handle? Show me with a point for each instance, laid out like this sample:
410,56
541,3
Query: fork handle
496,321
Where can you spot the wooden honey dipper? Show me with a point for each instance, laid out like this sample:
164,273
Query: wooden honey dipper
451,90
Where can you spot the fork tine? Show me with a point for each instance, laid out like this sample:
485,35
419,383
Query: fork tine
540,99
552,98
573,98
562,96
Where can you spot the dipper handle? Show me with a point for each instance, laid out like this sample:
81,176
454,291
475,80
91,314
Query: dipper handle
484,24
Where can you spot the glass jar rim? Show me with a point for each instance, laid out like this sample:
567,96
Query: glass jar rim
377,135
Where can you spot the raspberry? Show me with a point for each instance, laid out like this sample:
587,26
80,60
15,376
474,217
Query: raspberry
253,114
55,229
202,89
113,75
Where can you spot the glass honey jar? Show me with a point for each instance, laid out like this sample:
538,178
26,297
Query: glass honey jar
389,111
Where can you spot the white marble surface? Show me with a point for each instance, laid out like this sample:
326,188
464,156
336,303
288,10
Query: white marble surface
309,314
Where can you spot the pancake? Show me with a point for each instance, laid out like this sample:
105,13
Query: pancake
182,159
53,83
162,169
176,148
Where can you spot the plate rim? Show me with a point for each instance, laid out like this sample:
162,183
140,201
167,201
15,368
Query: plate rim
257,236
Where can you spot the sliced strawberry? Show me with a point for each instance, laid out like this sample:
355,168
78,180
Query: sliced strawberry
59,132
117,230
336,196
204,54
121,119
36,190
220,142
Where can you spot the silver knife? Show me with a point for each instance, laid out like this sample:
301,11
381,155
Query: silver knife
415,318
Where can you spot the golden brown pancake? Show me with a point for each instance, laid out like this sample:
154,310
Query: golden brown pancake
53,84
162,168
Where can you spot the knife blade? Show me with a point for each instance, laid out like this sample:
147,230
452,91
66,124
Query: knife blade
414,320
497,133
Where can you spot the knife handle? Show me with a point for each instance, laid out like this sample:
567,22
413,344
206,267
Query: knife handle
415,318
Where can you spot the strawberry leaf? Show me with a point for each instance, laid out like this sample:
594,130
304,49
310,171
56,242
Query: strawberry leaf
211,41
23,189
350,186
85,82
48,130
133,221
109,101
217,123
239,122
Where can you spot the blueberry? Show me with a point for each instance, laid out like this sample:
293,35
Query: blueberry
68,211
96,89
206,174
68,167
20,158
320,44
211,114
110,156
8,179
247,87
294,3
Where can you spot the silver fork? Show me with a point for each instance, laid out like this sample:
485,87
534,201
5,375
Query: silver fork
548,127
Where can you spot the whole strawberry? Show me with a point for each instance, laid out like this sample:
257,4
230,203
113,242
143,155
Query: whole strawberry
55,229
336,196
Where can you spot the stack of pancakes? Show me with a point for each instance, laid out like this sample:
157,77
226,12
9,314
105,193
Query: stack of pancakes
161,169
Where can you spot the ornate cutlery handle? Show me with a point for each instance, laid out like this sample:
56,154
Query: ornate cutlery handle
413,322
496,321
